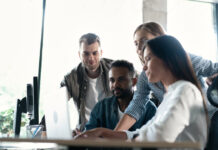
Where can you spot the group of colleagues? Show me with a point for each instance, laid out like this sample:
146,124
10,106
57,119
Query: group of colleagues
168,103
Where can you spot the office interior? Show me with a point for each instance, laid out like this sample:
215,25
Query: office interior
42,42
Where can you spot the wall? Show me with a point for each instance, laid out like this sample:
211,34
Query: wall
155,10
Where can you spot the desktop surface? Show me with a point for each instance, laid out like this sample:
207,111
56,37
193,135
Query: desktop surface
15,143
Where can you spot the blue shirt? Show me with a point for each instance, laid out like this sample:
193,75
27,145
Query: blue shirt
105,114
202,68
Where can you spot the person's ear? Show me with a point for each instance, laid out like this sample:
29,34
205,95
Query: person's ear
134,81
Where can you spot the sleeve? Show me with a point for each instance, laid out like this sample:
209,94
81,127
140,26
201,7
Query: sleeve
131,134
69,82
94,121
170,121
137,106
65,84
150,111
203,67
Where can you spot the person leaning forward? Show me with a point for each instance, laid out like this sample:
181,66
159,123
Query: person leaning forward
88,82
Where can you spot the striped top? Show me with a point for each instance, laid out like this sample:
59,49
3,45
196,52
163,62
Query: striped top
202,68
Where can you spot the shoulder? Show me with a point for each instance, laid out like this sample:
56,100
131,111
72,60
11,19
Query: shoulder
106,60
106,63
185,90
194,57
74,71
183,86
198,62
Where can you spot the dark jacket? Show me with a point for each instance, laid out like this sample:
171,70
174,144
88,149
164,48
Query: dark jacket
77,84
105,114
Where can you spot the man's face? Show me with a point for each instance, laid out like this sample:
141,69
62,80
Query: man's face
90,55
121,82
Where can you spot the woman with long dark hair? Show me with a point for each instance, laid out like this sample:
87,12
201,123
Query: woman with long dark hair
202,68
182,115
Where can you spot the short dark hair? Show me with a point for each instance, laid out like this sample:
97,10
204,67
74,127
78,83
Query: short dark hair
89,38
125,64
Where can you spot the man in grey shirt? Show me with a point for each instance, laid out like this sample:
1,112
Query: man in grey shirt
88,82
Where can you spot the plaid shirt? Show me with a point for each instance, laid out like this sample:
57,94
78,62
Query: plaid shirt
202,68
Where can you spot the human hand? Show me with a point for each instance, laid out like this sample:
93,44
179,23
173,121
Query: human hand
209,80
76,132
91,134
94,134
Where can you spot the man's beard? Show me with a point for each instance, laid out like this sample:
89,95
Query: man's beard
123,93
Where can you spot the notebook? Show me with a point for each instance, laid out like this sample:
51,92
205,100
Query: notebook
57,115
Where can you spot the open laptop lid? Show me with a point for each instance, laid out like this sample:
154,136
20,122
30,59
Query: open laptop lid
57,115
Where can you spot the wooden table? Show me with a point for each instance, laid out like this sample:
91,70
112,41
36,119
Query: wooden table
107,144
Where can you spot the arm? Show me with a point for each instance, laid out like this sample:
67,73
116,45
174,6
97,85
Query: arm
125,123
203,67
64,84
137,106
146,116
173,115
67,93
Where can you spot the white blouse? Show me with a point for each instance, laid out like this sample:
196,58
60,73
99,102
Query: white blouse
179,118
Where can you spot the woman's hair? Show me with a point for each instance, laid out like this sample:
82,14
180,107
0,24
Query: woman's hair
152,28
169,49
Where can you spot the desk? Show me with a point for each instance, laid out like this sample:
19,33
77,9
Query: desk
93,144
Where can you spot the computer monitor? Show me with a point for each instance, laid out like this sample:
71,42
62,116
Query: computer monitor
33,102
29,105
20,108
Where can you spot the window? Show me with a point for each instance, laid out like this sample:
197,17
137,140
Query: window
65,21
113,20
193,24
20,40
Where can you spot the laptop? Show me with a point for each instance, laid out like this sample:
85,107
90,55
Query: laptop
57,115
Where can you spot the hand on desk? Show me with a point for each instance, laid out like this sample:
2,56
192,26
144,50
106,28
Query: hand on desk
76,132
102,133
90,134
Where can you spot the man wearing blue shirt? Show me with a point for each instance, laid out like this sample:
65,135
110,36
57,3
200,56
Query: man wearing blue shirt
107,112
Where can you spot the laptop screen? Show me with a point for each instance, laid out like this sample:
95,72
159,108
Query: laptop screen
57,115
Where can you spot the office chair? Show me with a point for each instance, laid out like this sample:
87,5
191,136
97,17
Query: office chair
212,95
